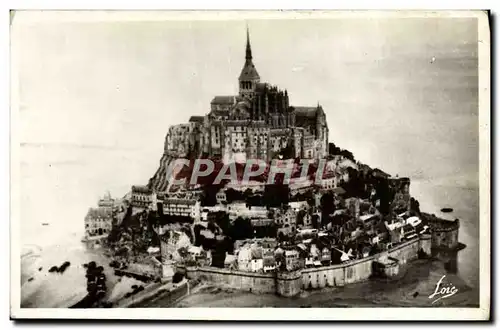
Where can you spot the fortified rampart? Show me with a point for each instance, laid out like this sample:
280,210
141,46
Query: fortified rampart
246,281
289,284
444,232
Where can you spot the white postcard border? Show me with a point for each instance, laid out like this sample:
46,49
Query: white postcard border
276,313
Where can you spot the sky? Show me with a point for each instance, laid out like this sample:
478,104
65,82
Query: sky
96,99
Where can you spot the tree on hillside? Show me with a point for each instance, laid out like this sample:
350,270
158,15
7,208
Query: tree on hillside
384,194
327,203
276,195
241,229
347,154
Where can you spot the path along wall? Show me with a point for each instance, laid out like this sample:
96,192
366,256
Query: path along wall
290,284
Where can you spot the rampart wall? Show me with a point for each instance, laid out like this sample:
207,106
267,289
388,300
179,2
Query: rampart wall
289,284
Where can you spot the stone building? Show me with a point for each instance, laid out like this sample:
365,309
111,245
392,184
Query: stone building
98,222
257,123
184,207
287,221
142,197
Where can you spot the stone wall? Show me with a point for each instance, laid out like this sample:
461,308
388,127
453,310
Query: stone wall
426,243
246,281
444,233
357,270
291,283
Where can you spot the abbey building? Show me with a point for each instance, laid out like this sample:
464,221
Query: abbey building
258,123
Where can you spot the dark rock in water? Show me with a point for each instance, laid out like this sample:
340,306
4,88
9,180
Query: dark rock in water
415,294
446,210
114,264
30,279
40,269
53,269
63,267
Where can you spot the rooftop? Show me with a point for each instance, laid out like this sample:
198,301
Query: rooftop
305,111
99,212
196,119
179,201
224,99
141,189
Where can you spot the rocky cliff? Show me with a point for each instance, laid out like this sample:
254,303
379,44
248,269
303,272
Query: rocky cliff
159,180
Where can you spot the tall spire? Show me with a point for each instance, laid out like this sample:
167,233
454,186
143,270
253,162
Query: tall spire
249,78
249,49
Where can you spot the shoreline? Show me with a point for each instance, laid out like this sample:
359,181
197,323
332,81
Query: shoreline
375,293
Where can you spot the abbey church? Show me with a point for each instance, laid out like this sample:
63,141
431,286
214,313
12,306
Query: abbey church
258,123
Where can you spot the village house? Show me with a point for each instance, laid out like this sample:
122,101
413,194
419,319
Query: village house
244,257
314,252
230,261
287,221
221,197
236,210
297,206
257,265
269,262
261,222
292,261
195,251
307,220
326,256
365,251
328,183
184,207
98,223
106,202
408,232
309,262
254,186
267,245
368,220
171,241
303,234
141,197
352,205
300,186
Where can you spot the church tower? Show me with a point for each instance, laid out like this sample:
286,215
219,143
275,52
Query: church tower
249,77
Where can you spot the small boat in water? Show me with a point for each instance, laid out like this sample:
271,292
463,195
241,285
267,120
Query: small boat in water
446,210
45,224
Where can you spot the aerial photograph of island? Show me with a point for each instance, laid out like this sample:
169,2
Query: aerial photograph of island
249,163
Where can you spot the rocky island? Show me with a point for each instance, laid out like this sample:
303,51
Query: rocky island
255,197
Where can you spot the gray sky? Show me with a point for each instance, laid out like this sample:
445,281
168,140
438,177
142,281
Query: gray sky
99,97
